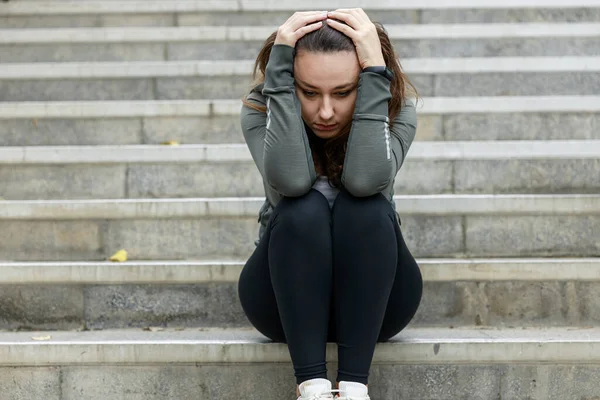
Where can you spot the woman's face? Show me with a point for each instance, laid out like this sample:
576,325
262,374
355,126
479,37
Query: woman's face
326,85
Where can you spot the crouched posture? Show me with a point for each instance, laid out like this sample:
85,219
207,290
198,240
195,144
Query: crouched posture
328,134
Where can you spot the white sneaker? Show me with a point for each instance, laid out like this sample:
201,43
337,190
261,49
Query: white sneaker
353,391
315,389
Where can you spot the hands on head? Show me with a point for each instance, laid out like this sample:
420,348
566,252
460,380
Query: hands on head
352,22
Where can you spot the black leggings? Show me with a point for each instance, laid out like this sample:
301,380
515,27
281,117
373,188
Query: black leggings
341,275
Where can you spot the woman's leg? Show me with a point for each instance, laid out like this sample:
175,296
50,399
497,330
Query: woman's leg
406,292
365,259
285,287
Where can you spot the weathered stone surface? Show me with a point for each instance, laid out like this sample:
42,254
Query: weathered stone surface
433,236
528,176
202,305
82,52
30,383
214,50
193,130
435,382
515,126
539,303
270,18
51,240
418,177
276,381
515,236
41,307
76,89
207,87
519,15
70,132
429,127
574,381
451,304
194,180
83,20
588,296
513,47
192,382
517,84
182,238
425,84
71,181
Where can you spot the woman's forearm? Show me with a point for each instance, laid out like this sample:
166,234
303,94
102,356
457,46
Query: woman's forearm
288,164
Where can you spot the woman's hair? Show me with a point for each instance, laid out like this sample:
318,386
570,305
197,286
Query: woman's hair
328,154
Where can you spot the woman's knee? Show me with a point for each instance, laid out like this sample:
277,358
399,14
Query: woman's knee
362,210
304,213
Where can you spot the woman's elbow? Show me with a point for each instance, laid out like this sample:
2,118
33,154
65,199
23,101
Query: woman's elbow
365,183
289,186
364,187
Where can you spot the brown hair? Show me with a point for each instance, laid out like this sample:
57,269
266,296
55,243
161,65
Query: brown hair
328,154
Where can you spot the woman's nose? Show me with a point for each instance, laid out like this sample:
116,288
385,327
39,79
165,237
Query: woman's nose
326,110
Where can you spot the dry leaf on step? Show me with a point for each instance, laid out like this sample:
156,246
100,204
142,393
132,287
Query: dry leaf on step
41,337
154,328
171,143
119,256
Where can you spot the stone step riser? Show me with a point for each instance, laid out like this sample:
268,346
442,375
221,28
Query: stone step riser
196,237
444,304
245,50
242,179
541,364
235,87
259,18
276,381
226,129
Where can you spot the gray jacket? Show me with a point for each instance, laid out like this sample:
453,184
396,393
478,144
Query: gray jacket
279,144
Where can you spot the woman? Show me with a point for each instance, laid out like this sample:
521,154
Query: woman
328,133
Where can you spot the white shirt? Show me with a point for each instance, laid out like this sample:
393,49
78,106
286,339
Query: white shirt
330,193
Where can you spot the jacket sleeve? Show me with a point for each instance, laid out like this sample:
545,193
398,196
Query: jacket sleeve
375,152
277,140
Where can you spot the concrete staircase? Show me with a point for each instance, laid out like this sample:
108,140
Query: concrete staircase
499,199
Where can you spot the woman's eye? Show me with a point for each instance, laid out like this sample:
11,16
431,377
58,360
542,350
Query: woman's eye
343,93
308,94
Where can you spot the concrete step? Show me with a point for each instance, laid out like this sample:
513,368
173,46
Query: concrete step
217,121
479,364
244,42
175,229
154,171
26,14
457,292
178,80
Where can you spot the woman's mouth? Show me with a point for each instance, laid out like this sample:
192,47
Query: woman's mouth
326,127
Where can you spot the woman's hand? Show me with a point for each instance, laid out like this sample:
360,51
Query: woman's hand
362,32
299,25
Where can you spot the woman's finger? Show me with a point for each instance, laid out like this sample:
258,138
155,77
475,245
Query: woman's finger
347,18
309,18
357,13
308,28
345,29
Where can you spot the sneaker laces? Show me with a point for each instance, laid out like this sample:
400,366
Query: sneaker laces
340,397
318,396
